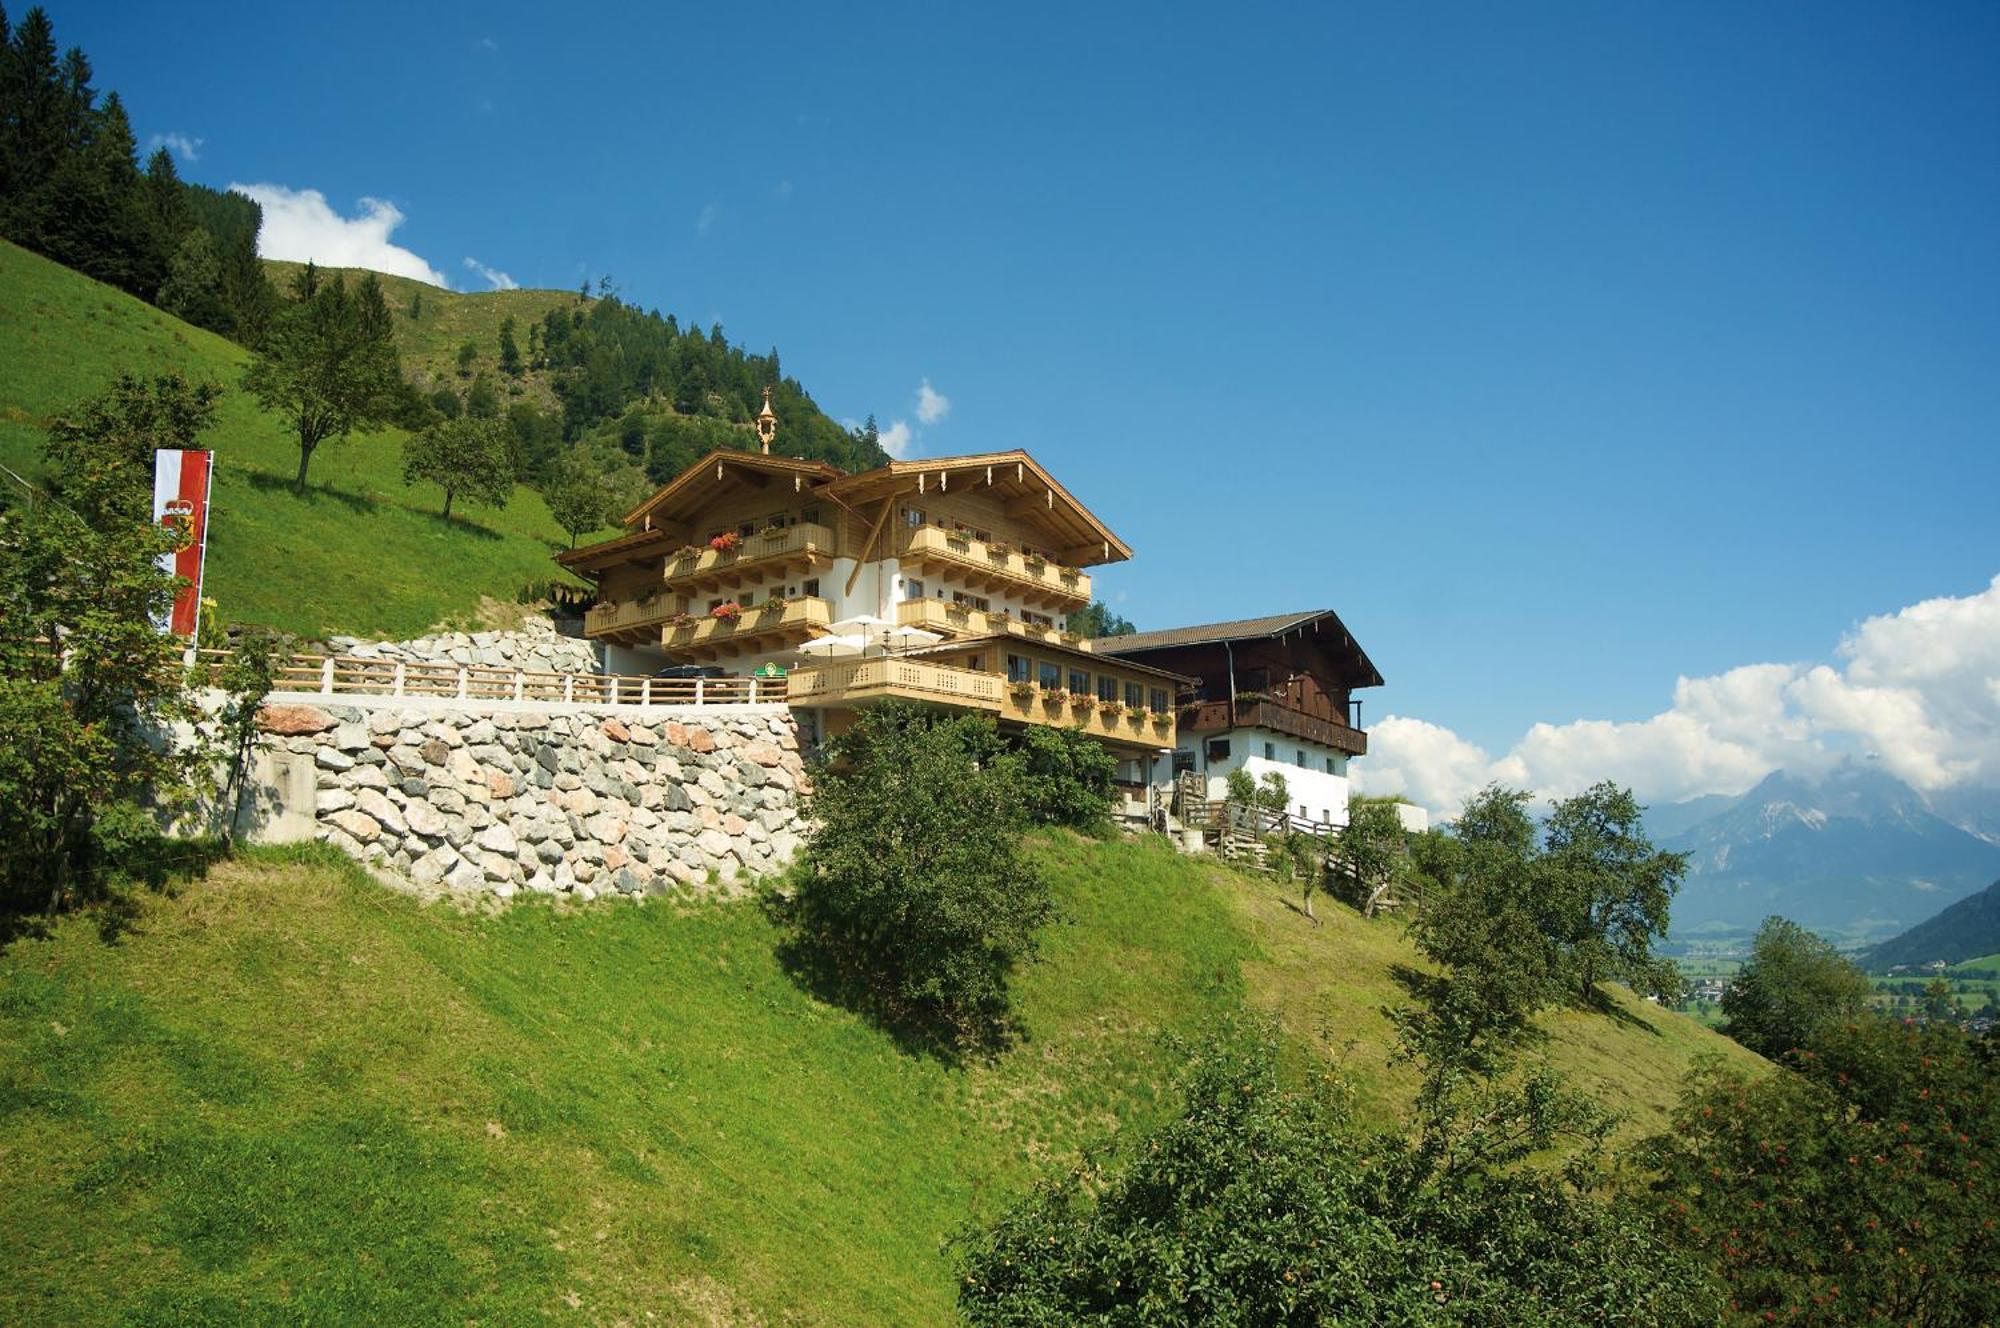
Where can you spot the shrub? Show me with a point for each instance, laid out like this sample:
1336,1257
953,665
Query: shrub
914,897
1259,1203
1852,1192
1068,778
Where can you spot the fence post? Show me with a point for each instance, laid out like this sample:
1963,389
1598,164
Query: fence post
753,689
646,691
569,689
698,683
464,682
520,684
326,676
397,690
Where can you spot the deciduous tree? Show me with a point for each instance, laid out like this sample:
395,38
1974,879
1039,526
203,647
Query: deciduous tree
463,456
1793,984
329,363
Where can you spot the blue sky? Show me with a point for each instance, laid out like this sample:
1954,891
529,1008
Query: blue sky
1564,349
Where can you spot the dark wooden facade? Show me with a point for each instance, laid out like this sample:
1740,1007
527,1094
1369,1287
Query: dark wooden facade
1298,680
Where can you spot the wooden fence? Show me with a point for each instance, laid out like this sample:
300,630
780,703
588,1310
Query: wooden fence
351,675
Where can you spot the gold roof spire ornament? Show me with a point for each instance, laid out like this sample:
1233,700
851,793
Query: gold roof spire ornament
767,423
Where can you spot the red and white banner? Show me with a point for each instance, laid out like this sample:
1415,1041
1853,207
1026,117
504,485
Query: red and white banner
180,503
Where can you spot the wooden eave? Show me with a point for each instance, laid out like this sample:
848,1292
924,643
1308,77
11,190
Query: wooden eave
723,471
639,546
1031,493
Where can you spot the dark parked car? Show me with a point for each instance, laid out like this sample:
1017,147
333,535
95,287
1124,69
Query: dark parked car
691,671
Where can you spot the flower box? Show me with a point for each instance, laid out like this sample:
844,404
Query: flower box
1112,708
1056,697
775,604
727,611
773,531
1021,690
726,542
685,552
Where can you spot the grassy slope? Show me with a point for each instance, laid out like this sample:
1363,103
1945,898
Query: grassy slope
448,319
292,1095
361,552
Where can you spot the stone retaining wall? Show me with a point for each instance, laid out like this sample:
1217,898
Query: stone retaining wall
537,647
587,801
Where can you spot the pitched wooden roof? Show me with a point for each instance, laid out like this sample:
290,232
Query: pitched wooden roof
1321,624
720,462
1035,493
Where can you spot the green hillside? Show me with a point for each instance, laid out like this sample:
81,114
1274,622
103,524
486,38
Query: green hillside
447,319
362,552
1968,929
288,1095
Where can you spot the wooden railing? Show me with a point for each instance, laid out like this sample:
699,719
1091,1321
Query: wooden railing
352,675
962,620
983,559
1211,716
804,538
863,679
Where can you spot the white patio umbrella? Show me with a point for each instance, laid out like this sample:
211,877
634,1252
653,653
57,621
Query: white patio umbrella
905,637
830,646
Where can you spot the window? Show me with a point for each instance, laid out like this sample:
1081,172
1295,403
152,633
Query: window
1270,751
747,529
983,536
1017,669
1299,757
1135,695
1329,766
809,515
968,601
1156,700
1183,761
1049,675
977,663
1037,619
1079,682
913,517
1218,750
811,587
714,604
912,589
1107,688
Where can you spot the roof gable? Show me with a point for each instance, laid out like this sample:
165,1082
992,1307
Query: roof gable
1323,625
719,465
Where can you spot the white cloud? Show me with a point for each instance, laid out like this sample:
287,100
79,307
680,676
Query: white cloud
299,225
1918,691
897,440
705,220
932,405
494,277
185,146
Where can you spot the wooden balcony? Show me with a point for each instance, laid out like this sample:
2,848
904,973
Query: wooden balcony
1088,715
856,682
1214,717
630,622
754,631
994,568
935,615
805,548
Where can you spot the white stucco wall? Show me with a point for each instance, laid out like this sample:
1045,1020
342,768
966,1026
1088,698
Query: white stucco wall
1322,796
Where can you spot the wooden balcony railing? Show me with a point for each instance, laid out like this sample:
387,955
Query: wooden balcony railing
1214,716
806,545
854,681
630,618
787,622
1069,710
936,615
992,565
